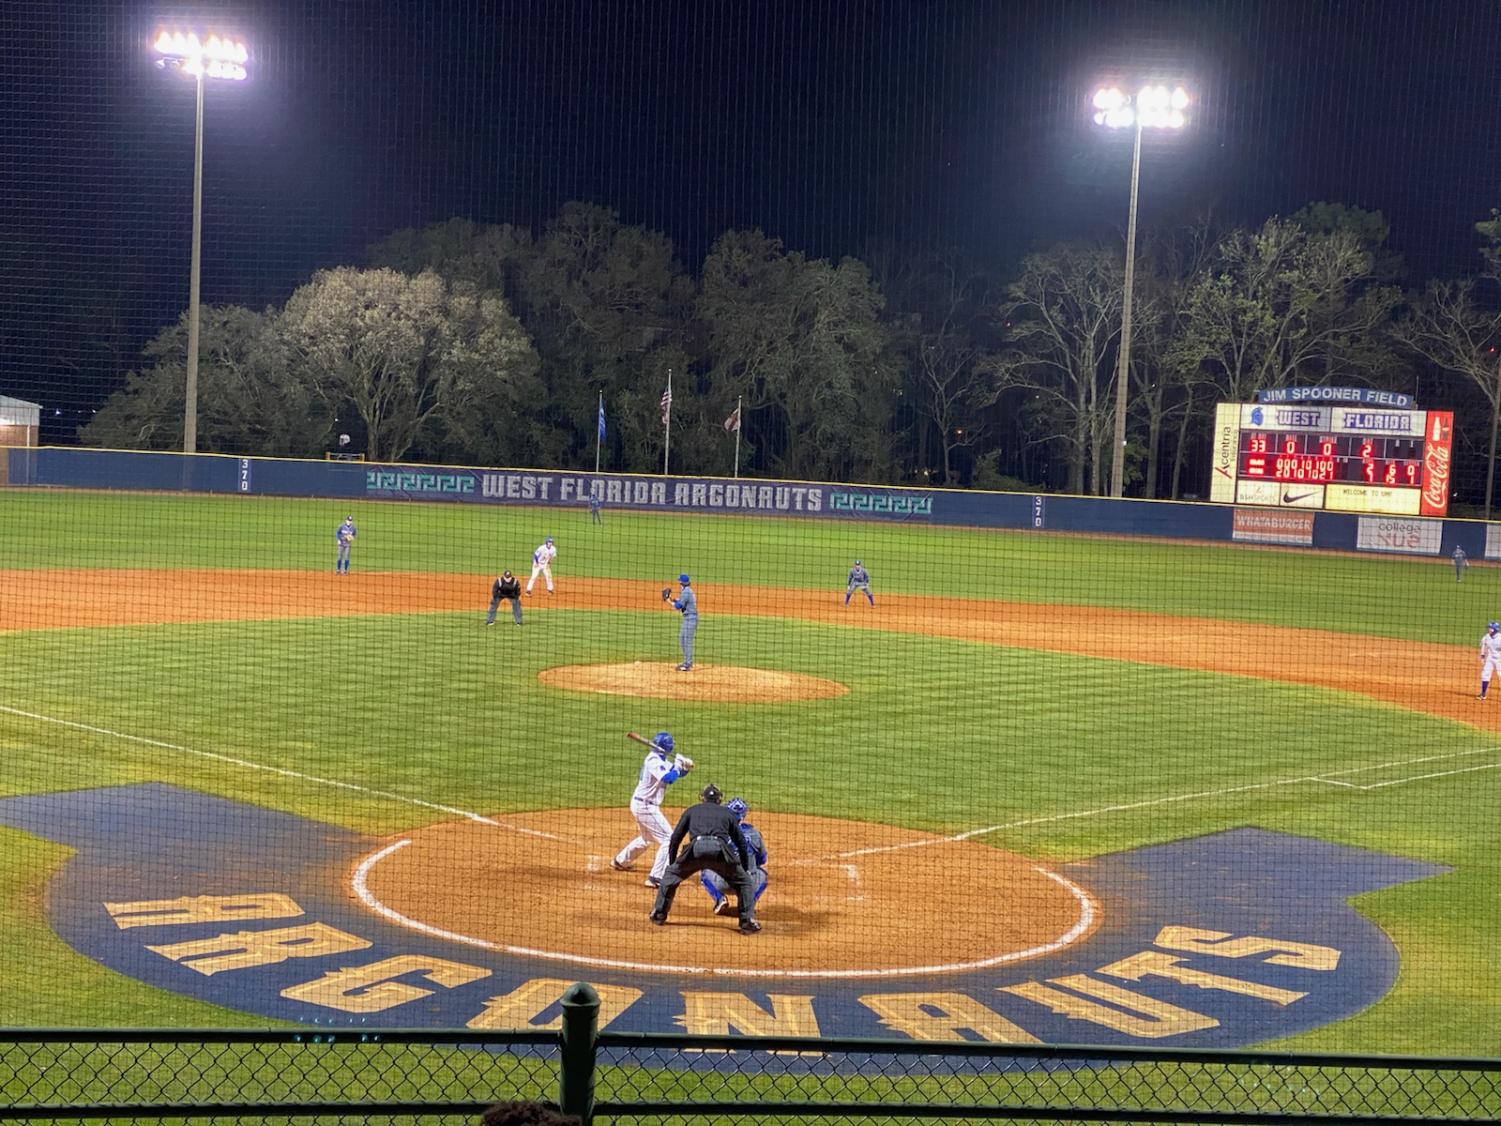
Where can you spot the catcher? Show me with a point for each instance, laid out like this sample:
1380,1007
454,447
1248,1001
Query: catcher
657,773
716,844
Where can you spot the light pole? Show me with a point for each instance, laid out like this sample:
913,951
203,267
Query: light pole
214,57
1153,107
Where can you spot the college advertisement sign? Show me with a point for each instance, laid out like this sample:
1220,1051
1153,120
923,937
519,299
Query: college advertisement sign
1407,537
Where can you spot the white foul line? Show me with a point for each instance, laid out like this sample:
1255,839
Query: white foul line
246,764
361,886
1327,779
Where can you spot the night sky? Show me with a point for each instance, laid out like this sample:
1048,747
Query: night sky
829,125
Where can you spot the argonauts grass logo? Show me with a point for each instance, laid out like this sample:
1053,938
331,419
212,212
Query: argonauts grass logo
1220,941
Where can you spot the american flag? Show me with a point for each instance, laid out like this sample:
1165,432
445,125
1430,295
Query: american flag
667,404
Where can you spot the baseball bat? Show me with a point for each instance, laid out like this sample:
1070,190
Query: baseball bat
639,738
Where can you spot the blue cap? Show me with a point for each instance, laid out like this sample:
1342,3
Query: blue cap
683,579
1494,626
548,540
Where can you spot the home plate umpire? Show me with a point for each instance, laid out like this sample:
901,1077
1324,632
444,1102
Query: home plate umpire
715,844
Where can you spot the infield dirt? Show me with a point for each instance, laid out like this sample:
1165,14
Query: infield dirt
1423,677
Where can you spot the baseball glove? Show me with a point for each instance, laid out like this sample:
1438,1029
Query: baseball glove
683,763
667,594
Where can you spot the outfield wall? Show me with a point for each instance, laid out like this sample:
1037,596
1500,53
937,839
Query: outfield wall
69,468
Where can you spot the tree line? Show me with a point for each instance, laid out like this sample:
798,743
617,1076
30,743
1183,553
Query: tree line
490,344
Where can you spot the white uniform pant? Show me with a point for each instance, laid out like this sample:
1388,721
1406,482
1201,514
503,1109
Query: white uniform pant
654,831
1490,668
540,569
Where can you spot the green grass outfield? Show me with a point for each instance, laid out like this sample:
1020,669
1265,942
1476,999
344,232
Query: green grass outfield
436,707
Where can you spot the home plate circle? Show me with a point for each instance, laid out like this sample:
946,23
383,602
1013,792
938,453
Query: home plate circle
720,684
845,899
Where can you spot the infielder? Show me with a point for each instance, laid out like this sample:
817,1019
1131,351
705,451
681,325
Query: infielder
686,604
859,579
1460,563
716,885
1490,656
505,588
344,537
657,773
542,564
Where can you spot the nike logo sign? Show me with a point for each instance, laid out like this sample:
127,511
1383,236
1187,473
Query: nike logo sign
1288,498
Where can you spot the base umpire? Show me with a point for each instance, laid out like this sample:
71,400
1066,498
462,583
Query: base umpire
717,845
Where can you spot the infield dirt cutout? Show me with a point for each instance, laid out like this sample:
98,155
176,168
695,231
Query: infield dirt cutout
715,684
1416,675
887,912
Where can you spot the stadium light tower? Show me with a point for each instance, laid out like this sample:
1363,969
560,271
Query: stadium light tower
219,58
1153,107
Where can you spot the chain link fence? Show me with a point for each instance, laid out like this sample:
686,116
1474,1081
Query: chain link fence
376,1077
264,1077
851,1081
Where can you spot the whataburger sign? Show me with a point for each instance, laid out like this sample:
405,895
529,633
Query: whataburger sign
235,905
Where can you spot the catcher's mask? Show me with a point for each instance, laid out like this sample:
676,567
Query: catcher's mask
712,793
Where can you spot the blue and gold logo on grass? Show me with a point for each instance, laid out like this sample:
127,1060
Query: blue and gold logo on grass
1220,941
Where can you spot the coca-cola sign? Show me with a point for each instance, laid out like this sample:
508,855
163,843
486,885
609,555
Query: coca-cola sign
1437,451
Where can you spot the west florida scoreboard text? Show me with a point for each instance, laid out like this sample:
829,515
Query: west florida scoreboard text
1340,458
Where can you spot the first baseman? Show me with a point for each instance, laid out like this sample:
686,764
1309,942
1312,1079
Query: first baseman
859,579
1490,656
716,885
344,537
542,564
657,773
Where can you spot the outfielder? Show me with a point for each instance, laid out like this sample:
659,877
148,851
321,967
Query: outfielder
344,537
686,604
657,773
859,579
1490,656
1460,562
716,885
542,564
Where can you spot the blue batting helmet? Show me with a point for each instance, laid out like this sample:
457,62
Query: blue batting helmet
1494,626
738,807
548,540
663,742
683,579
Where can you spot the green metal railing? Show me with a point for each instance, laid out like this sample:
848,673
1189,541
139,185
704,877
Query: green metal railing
449,1077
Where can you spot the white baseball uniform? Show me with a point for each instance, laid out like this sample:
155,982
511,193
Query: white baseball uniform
646,807
542,565
1490,654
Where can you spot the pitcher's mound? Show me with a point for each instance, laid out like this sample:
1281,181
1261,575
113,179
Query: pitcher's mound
715,684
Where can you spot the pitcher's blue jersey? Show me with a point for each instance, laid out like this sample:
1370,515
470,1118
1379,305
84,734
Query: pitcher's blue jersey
687,603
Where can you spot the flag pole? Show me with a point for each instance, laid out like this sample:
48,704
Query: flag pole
667,424
739,422
598,430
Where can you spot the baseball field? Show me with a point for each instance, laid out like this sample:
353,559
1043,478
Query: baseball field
1048,787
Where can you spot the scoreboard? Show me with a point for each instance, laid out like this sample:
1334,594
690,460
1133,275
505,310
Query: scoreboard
1337,458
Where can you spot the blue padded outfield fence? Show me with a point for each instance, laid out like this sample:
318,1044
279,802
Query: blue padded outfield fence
71,468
